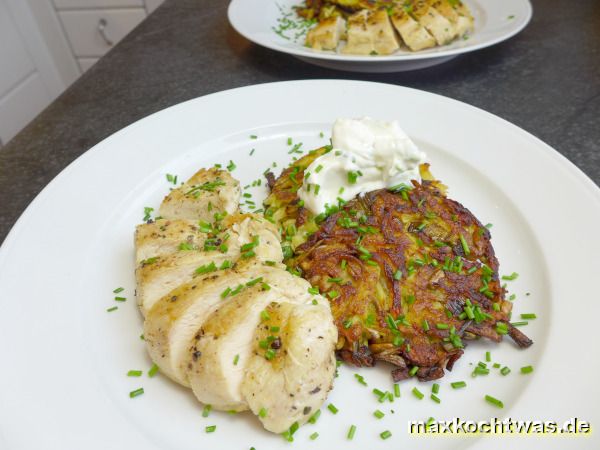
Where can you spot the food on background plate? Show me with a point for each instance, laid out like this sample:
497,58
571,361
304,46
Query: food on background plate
381,27
223,316
411,275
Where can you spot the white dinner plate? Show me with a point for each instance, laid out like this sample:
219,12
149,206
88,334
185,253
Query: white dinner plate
275,25
63,382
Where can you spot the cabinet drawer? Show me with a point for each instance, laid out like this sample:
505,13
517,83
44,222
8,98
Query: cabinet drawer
95,4
84,28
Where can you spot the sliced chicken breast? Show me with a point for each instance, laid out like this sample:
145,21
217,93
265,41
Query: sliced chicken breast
461,23
439,26
220,351
360,39
173,321
327,34
414,35
290,380
206,193
166,236
384,37
253,237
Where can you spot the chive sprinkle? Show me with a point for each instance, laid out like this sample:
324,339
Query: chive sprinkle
527,369
134,373
117,290
465,246
136,393
528,316
114,308
488,356
417,393
435,398
435,388
331,407
385,435
505,371
511,277
458,384
262,413
206,410
413,370
397,390
494,401
351,432
120,299
210,429
236,359
313,419
153,370
314,436
378,414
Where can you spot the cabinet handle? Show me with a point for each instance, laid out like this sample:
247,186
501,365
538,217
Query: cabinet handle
102,23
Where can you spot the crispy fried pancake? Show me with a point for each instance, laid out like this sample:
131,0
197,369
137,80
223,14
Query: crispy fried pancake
411,275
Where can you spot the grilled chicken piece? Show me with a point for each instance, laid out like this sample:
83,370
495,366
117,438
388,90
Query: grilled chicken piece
173,321
327,34
158,275
220,350
295,382
414,35
166,236
206,193
455,14
439,26
370,32
422,281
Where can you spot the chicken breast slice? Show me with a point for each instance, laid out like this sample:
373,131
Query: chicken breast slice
220,351
291,383
166,236
158,275
173,320
439,26
360,39
206,193
462,24
327,34
414,35
385,41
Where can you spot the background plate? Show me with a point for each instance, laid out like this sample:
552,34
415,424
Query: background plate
65,357
257,20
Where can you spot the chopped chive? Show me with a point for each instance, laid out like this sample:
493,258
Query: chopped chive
425,325
435,398
153,370
269,354
458,384
435,388
442,326
117,290
120,299
378,414
488,356
253,136
360,379
527,369
351,432
385,435
417,393
494,401
319,168
134,373
519,324
136,393
413,370
314,436
397,390
512,276
236,359
501,328
465,246
206,410
528,316
397,275
210,429
112,309
496,306
505,371
264,315
313,419
496,365
231,166
331,407
262,413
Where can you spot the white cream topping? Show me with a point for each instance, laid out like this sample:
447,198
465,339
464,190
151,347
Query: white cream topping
367,155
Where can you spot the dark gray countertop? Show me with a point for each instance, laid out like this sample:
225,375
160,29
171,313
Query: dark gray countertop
545,80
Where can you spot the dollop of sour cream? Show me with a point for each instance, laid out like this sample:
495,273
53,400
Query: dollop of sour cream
367,155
